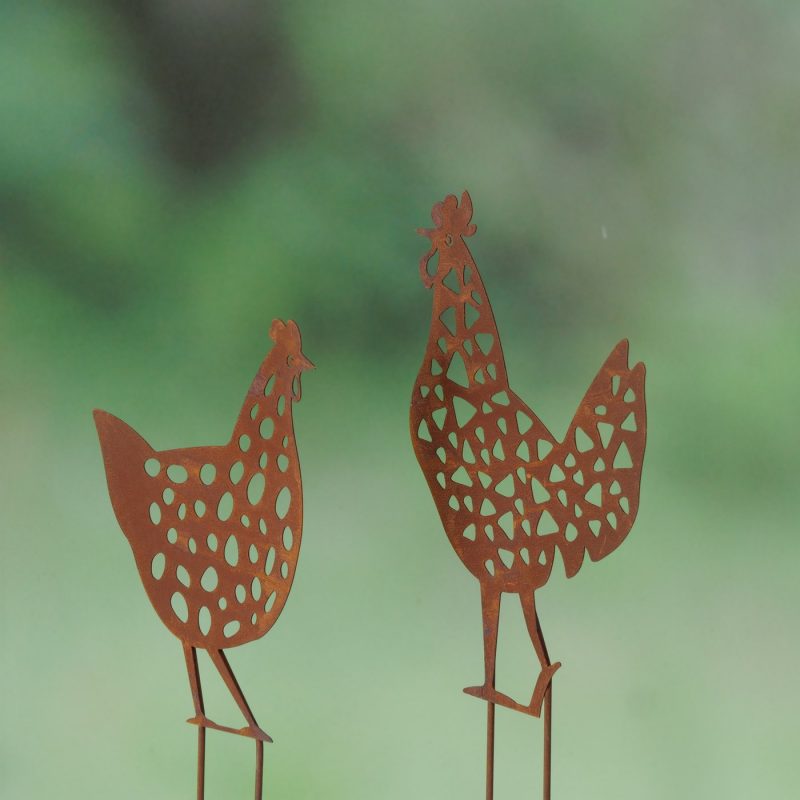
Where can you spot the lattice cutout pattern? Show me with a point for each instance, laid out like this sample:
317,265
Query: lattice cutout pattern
216,531
508,493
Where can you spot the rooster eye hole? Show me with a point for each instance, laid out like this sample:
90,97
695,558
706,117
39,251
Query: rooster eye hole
290,360
448,240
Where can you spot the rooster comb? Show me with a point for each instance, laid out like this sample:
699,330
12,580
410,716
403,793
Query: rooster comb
452,218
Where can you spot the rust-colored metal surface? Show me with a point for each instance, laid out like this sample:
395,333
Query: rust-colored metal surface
215,531
510,495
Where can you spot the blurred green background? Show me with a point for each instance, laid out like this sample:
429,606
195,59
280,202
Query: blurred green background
176,173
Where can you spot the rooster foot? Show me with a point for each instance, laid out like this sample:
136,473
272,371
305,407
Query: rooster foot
542,685
491,695
250,731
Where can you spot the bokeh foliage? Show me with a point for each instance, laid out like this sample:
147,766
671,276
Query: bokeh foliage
173,175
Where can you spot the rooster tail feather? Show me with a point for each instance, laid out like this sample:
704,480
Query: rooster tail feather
607,436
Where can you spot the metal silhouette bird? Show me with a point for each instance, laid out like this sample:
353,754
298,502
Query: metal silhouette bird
215,531
510,494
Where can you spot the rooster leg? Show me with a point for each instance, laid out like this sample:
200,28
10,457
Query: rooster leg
221,663
528,603
490,606
197,697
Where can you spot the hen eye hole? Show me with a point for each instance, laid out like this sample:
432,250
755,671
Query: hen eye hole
448,240
290,360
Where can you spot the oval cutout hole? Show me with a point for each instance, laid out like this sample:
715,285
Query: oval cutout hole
210,580
255,488
179,607
177,474
225,507
183,576
282,502
232,551
204,620
236,472
266,428
158,565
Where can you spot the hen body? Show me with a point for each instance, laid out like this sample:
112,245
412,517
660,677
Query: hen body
215,530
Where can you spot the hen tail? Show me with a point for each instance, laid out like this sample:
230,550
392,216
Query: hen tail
124,455
600,462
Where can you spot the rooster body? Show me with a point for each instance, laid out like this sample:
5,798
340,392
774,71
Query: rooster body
510,494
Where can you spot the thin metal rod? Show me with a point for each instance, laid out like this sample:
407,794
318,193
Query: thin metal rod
548,721
259,768
489,751
201,762
490,610
193,669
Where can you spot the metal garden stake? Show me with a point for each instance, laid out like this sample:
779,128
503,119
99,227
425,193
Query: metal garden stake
215,531
510,494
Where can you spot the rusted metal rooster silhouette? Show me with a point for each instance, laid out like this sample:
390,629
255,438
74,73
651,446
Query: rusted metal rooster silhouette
216,530
510,494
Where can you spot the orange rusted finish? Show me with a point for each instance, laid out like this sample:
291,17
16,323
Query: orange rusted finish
215,531
510,495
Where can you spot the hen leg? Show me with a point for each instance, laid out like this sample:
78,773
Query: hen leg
528,603
221,663
197,697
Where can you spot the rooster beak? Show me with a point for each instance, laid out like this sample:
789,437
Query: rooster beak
423,263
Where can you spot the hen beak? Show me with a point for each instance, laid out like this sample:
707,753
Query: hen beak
304,363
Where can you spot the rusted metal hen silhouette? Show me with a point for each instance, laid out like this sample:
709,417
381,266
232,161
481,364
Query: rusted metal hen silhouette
509,494
216,530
